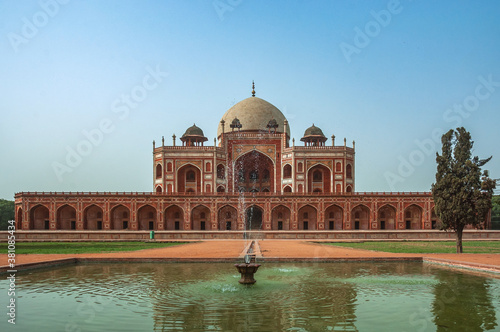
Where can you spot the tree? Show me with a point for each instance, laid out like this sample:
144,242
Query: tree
6,213
461,196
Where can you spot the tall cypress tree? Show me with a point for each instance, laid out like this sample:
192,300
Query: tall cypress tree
461,196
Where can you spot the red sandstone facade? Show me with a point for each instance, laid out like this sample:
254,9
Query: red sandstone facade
252,179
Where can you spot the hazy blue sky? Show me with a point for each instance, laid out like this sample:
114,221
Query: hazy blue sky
387,74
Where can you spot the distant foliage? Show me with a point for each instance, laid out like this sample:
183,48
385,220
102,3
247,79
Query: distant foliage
462,192
7,212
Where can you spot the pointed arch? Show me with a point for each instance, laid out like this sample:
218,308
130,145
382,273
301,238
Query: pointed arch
39,217
227,218
287,189
287,171
334,217
386,217
159,172
254,216
253,170
360,217
146,217
189,178
307,218
413,217
120,217
93,218
280,218
201,218
174,218
66,217
319,178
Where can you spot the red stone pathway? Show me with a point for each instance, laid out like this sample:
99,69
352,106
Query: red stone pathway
269,249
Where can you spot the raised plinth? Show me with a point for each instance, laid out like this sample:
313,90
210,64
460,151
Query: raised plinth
247,271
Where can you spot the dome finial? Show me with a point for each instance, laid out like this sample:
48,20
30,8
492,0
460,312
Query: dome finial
253,89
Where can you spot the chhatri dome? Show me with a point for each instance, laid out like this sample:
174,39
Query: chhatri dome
253,114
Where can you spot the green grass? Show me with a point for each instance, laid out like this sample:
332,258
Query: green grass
82,247
424,247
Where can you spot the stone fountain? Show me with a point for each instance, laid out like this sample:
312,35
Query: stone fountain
248,269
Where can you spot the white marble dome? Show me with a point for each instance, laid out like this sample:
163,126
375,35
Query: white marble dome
254,114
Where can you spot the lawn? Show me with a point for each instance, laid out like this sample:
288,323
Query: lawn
425,247
82,247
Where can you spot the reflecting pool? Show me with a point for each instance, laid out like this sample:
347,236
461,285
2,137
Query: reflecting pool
287,297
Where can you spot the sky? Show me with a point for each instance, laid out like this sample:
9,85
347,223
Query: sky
88,85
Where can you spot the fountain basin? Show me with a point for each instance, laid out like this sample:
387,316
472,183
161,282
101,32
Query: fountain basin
247,271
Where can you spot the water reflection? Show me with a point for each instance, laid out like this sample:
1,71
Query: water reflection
463,302
287,297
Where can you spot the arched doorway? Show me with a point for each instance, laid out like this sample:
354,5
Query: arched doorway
188,179
66,218
120,217
280,218
174,218
200,218
92,218
307,218
334,218
253,218
386,217
360,217
318,179
228,218
39,218
147,218
413,217
253,172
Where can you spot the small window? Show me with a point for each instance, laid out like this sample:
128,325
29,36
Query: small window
317,175
190,176
265,175
169,167
287,172
348,171
158,171
300,167
220,172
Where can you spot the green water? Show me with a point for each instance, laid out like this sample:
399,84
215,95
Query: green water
286,297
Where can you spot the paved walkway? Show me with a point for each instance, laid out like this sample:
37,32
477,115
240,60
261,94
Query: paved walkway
267,250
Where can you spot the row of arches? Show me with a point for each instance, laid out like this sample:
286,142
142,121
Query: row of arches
227,217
